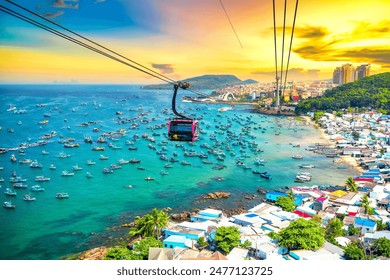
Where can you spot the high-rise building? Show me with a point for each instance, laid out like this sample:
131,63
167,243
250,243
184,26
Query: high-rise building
348,73
362,71
337,76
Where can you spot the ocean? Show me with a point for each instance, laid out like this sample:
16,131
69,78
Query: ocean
50,228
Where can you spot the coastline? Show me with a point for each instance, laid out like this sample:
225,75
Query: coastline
351,161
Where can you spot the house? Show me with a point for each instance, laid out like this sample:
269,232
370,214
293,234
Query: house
267,251
249,219
365,225
369,238
238,254
206,215
327,252
320,203
161,254
174,241
273,196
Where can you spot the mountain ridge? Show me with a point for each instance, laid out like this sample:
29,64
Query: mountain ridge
207,82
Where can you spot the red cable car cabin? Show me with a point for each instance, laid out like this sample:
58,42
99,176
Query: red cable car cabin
183,130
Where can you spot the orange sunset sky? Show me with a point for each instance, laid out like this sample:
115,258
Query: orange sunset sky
187,38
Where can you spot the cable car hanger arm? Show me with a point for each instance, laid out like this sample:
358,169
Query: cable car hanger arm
182,85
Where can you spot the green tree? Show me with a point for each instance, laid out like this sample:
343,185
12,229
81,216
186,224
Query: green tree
382,247
119,253
202,242
365,203
286,203
334,229
150,224
381,225
141,248
302,234
227,238
354,252
351,185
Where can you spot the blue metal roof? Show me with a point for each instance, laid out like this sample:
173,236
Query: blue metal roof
364,222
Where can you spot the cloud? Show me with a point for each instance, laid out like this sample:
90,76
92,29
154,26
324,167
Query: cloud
360,45
54,15
61,4
164,68
293,74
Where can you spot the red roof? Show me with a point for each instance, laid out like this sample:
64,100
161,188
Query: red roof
302,214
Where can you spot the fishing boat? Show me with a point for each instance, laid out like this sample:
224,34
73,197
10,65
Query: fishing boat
9,205
90,162
184,162
207,161
297,157
45,153
265,175
35,164
37,188
163,172
9,192
76,168
62,155
141,168
103,157
52,167
149,178
20,185
27,197
115,167
97,148
107,170
88,175
25,161
133,160
62,195
306,166
168,165
13,158
41,179
65,173
123,161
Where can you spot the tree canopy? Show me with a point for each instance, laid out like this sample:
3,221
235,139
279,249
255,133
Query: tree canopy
302,234
354,252
139,252
286,203
382,247
334,229
227,238
372,91
150,224
351,185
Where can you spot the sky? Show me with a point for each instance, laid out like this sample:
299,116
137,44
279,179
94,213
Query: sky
187,38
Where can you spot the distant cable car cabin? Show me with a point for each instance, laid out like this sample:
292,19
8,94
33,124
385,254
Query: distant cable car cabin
182,128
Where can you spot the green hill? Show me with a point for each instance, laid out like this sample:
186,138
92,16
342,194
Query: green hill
369,92
207,82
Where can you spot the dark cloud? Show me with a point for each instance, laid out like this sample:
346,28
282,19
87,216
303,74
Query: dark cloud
164,68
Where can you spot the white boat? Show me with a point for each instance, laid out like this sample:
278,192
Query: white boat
76,168
123,161
65,173
224,109
62,195
297,157
163,172
103,157
52,167
8,204
90,162
88,175
306,166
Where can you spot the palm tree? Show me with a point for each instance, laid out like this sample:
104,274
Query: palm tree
150,224
365,203
351,185
159,220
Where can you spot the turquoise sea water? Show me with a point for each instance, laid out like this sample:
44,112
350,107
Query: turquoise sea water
50,228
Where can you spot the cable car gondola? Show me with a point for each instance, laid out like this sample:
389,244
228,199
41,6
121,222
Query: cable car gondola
182,128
